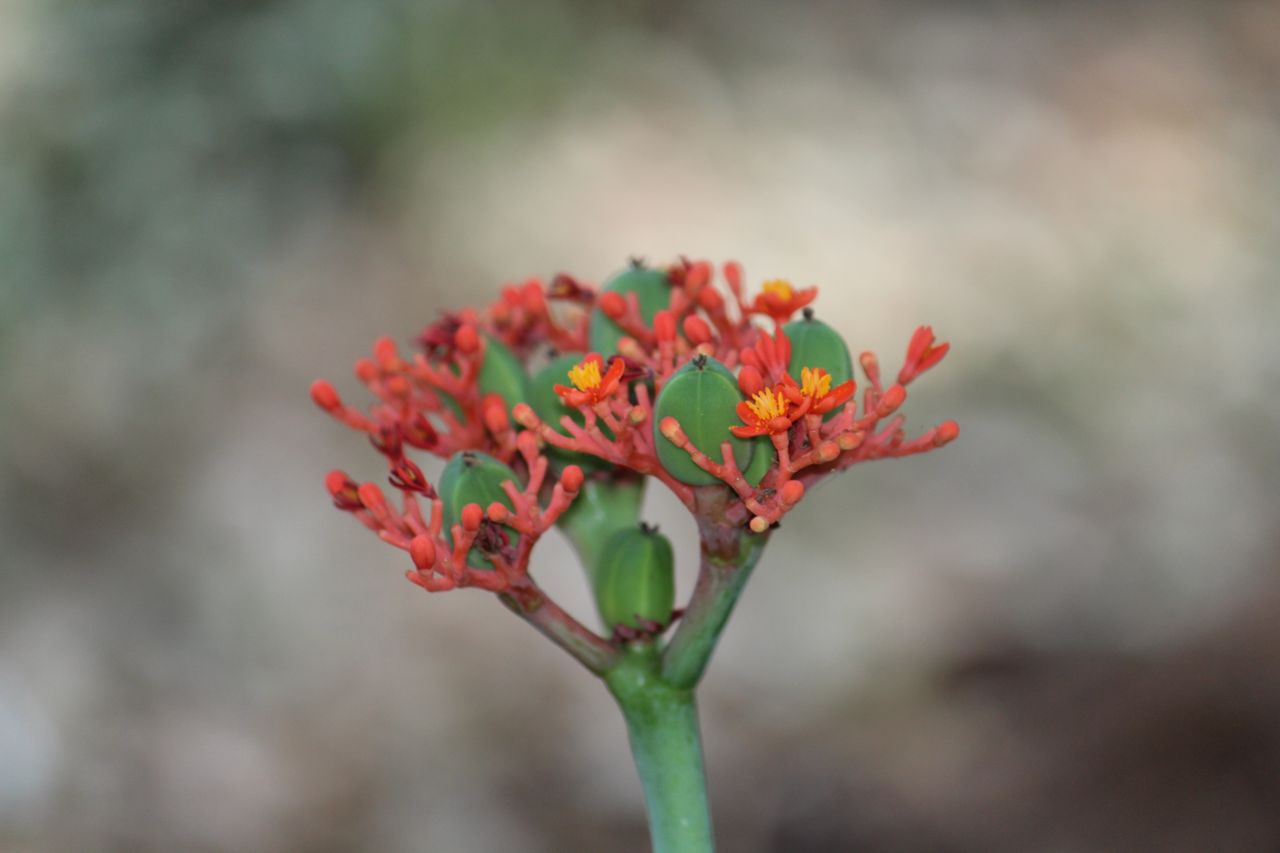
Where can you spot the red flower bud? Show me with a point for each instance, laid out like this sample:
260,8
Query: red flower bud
572,478
467,339
371,496
471,517
750,381
423,552
612,304
696,330
385,353
947,432
325,396
495,414
664,326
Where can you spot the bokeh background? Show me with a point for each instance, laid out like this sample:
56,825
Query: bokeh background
1059,634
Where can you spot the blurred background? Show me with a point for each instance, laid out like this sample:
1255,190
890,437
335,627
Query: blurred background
1059,634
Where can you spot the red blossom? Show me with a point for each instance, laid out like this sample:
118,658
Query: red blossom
779,299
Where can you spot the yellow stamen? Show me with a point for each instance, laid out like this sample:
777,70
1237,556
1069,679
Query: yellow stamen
815,382
780,288
585,376
767,405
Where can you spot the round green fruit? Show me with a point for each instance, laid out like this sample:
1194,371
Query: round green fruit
703,396
637,579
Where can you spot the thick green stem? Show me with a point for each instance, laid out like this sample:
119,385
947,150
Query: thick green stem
662,722
726,567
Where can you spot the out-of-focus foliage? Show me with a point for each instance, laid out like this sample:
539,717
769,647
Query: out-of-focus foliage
1055,635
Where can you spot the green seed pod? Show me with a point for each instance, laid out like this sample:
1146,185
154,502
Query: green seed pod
703,396
815,344
502,373
652,290
472,477
550,407
637,579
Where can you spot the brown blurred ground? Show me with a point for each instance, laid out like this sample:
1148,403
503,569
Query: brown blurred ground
1057,635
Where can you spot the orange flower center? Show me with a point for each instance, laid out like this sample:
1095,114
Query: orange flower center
585,376
779,288
767,405
815,382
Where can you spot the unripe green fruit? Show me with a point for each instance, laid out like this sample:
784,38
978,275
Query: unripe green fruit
637,579
703,396
502,373
551,408
653,292
472,477
815,344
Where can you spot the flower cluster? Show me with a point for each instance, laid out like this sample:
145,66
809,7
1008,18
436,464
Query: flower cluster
662,373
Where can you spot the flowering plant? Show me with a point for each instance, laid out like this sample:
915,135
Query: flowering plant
555,405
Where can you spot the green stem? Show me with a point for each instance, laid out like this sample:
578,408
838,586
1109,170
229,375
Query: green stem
662,722
726,568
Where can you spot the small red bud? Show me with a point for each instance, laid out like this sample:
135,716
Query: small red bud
337,481
710,299
498,512
733,275
467,339
495,414
423,552
398,386
894,397
612,304
697,276
366,370
371,496
572,478
471,517
325,396
759,524
670,428
664,326
385,353
524,415
750,381
696,330
948,431
792,492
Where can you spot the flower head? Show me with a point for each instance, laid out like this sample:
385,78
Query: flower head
764,414
779,299
589,386
815,390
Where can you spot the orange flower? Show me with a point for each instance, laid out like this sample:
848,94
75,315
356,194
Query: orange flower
763,414
816,390
589,386
780,300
